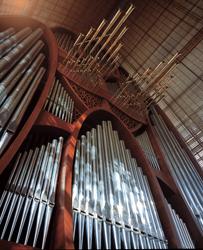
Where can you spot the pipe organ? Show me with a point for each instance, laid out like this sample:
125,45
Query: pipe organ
182,231
59,102
181,167
145,144
112,203
21,73
28,200
62,187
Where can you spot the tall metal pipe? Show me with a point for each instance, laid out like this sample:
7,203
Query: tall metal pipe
111,196
9,82
16,82
12,101
182,170
8,61
145,143
12,41
59,103
91,40
29,194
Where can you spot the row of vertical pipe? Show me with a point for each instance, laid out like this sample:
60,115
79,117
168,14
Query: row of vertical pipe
182,169
145,144
28,199
59,103
64,40
112,202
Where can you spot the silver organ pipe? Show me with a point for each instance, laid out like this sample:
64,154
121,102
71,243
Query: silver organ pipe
9,43
145,144
181,167
59,103
64,40
28,200
182,231
21,73
6,33
112,202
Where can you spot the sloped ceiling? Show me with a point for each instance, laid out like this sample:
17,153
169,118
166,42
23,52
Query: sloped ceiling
157,30
76,15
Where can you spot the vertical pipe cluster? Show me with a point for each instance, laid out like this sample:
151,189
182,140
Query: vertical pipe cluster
112,202
181,167
146,145
182,231
28,199
59,103
21,73
64,40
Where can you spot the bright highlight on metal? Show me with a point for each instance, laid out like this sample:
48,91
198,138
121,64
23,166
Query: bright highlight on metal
113,207
181,168
28,200
21,73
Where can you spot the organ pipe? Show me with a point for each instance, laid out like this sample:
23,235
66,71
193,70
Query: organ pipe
6,33
91,39
59,103
181,168
90,54
21,72
28,199
182,231
143,90
112,202
64,40
146,145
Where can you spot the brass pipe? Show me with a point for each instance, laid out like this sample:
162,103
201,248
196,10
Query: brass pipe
114,43
93,38
123,19
72,48
116,16
83,41
90,59
112,55
152,84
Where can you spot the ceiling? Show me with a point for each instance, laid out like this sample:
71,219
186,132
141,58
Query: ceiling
157,30
75,15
